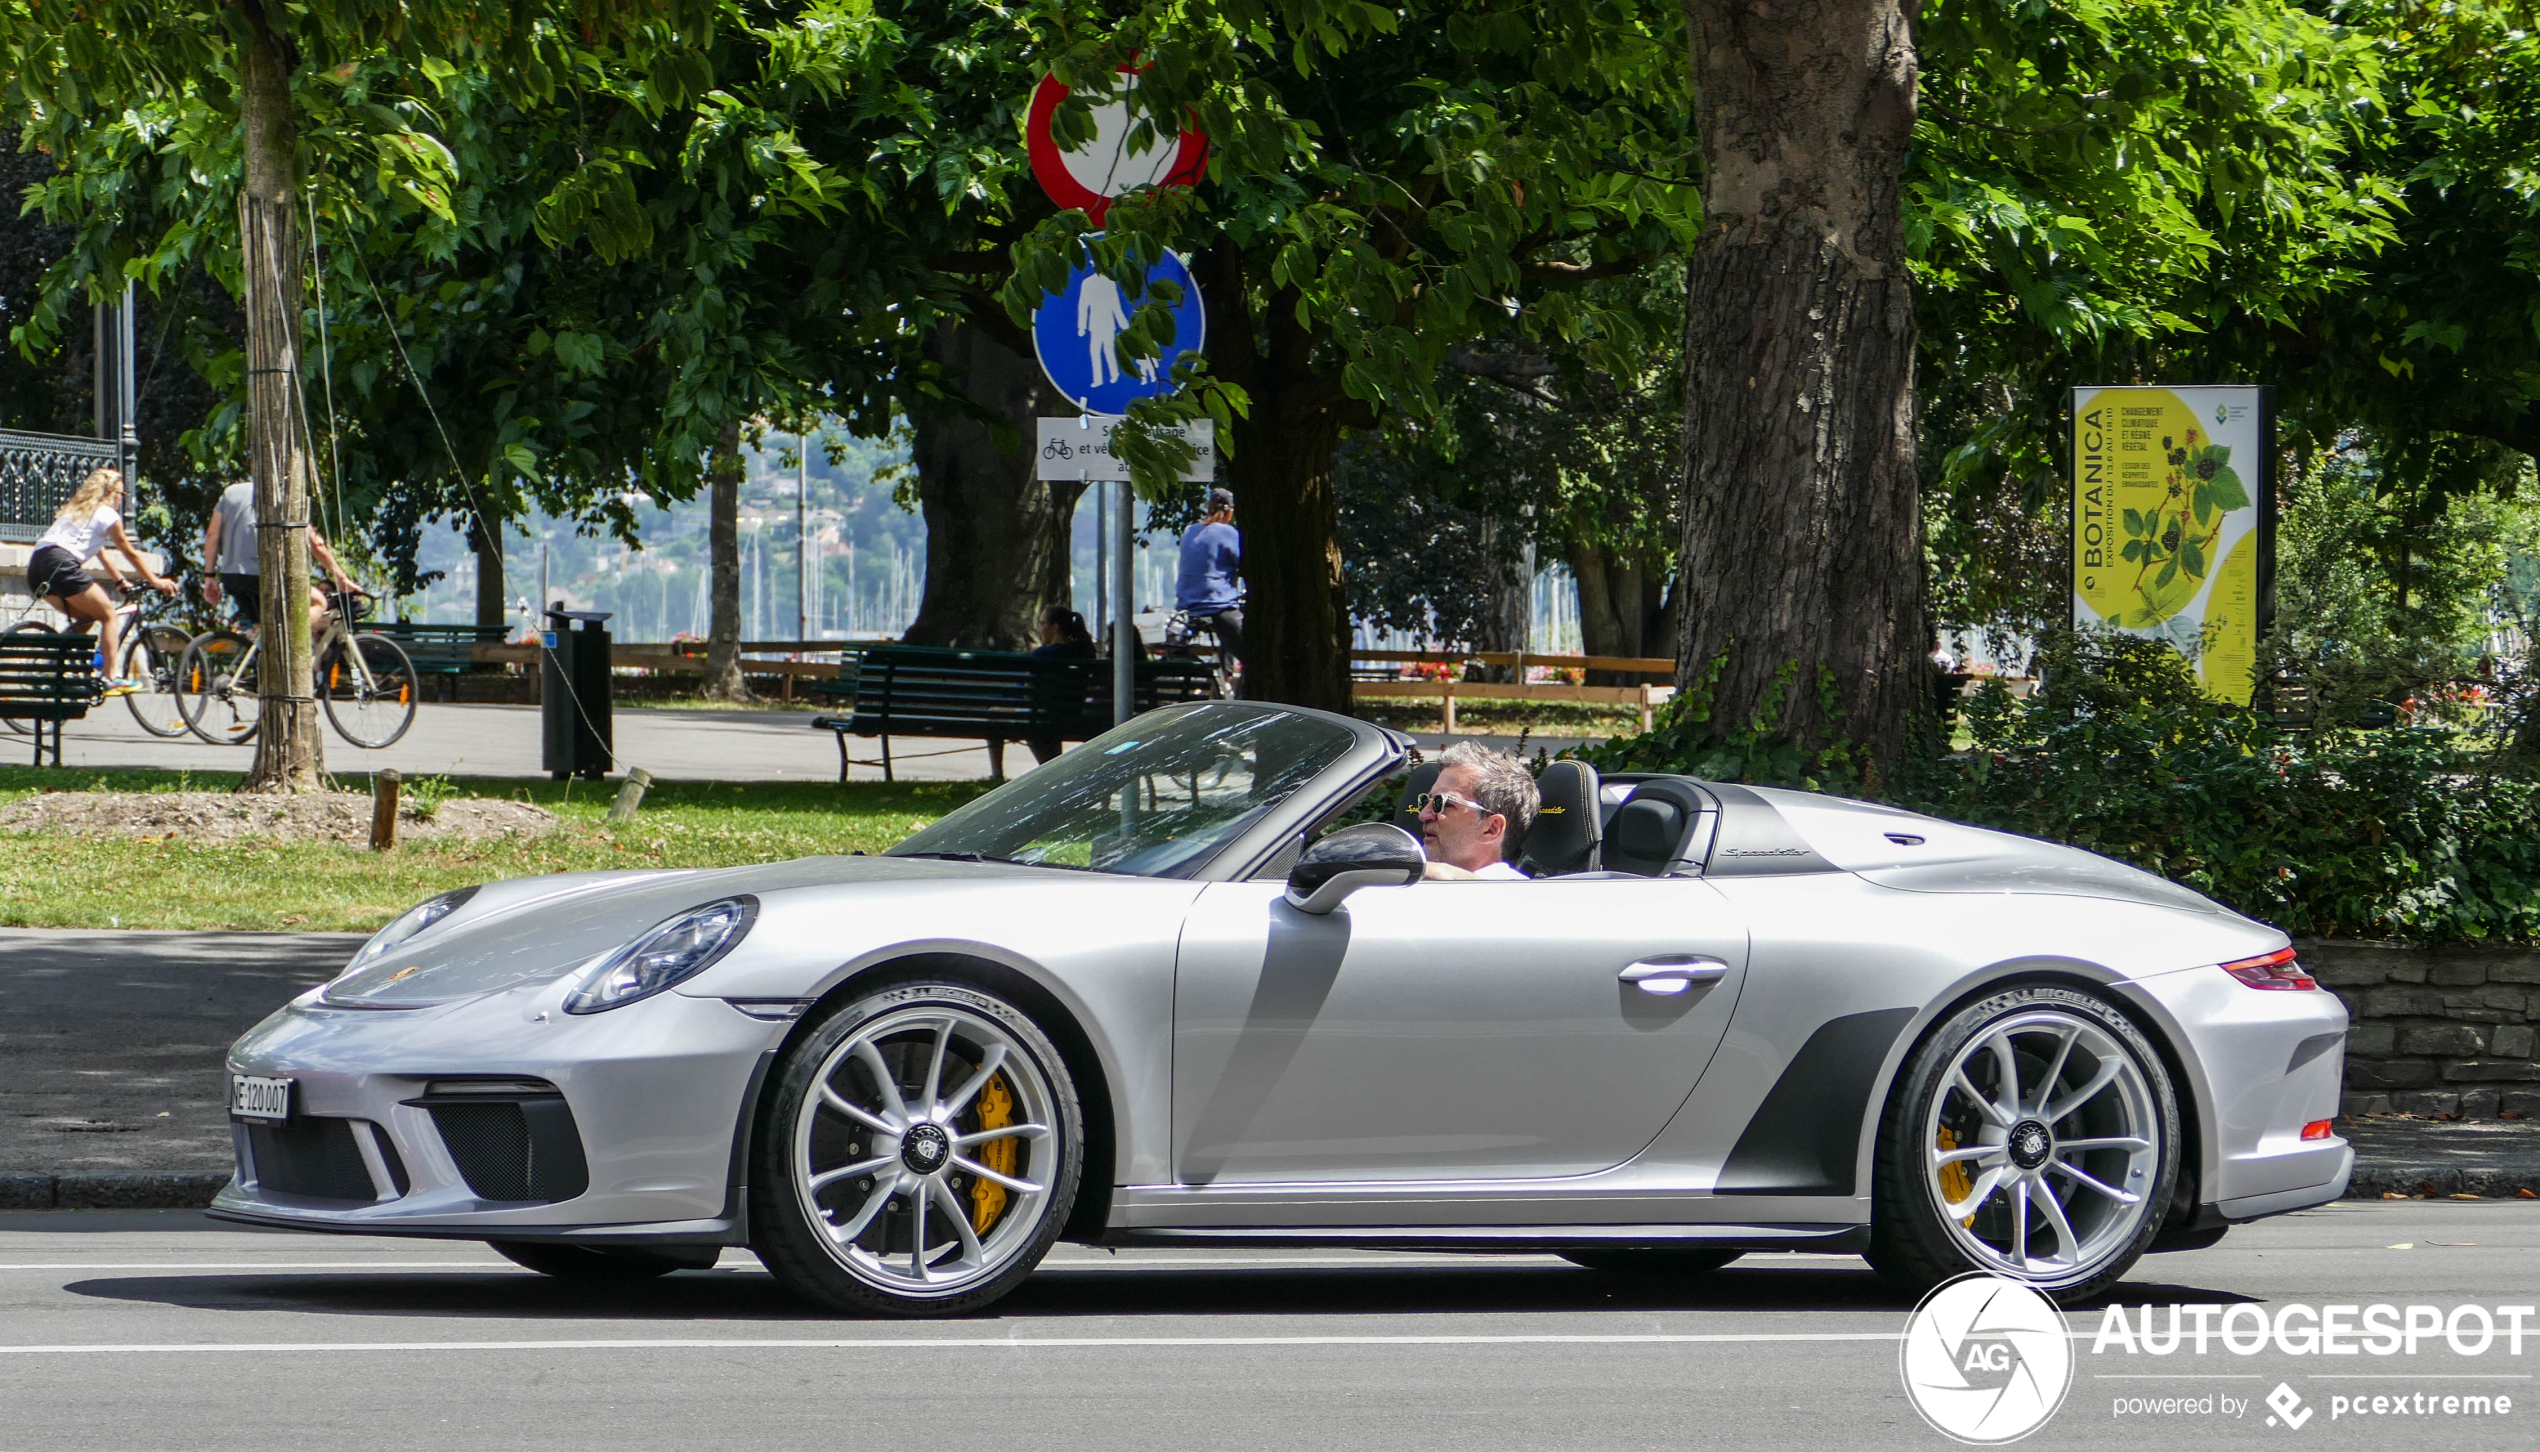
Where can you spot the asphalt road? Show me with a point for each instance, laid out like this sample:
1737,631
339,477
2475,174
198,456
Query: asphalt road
112,1043
139,1330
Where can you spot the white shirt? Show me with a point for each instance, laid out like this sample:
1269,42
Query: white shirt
1501,869
83,538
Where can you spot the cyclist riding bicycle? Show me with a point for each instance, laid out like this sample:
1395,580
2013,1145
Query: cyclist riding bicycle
1205,588
87,523
229,550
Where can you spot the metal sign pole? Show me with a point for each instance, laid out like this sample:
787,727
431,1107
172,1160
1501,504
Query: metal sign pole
1124,643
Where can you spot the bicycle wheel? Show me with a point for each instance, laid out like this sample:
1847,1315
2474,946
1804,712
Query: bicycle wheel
217,701
153,656
371,702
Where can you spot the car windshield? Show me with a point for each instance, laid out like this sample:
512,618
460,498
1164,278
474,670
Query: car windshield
1156,797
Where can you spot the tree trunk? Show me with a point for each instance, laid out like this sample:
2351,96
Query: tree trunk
1296,614
488,543
1622,609
998,540
1512,605
1802,564
290,757
723,549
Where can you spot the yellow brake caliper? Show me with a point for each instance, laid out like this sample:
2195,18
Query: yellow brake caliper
1955,1182
996,1111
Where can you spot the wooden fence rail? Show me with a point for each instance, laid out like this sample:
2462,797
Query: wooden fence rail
686,657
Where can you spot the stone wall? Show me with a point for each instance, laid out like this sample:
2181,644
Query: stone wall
2437,1031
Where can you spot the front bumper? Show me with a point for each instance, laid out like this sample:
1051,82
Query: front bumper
651,1096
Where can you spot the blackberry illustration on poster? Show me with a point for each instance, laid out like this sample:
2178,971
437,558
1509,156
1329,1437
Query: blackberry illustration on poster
2173,521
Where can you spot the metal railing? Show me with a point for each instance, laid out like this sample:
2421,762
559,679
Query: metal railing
38,472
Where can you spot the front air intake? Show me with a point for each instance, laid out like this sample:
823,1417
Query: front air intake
516,1145
316,1159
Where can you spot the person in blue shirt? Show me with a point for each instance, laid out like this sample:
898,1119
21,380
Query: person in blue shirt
1205,588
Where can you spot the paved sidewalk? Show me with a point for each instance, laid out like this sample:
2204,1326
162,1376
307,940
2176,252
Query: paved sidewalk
503,741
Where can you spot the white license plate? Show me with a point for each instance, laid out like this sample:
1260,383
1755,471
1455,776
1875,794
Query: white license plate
253,1098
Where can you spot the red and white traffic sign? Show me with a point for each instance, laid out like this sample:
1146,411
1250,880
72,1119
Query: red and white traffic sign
1104,168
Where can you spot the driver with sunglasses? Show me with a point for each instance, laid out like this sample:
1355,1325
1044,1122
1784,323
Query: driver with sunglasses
1475,815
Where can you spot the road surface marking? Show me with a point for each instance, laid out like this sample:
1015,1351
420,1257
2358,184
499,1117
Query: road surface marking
912,1343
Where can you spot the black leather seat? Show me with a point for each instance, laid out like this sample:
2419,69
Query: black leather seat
1568,826
1649,829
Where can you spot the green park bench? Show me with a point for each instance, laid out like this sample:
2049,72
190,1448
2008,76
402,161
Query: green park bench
447,651
993,696
47,678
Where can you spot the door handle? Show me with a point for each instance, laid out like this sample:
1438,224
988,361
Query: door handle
1674,974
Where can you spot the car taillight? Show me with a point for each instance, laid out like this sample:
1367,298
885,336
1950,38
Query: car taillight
2317,1128
2275,970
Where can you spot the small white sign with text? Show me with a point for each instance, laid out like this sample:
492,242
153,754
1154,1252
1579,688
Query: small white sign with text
1080,448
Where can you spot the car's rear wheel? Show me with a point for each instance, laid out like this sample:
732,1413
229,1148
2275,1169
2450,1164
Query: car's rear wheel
919,1153
1651,1263
589,1263
2034,1136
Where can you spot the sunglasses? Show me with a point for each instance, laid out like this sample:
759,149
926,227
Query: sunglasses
1443,802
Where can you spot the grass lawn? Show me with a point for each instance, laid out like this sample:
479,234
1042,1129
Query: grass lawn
49,881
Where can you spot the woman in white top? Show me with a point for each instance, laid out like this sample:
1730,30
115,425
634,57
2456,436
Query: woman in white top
80,533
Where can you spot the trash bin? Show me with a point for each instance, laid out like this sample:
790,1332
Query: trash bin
573,694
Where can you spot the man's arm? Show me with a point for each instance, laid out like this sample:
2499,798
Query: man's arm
325,555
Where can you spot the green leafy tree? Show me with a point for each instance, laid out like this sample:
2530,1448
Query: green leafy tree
275,74
1384,186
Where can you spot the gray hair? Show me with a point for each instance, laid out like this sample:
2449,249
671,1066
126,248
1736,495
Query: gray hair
1501,784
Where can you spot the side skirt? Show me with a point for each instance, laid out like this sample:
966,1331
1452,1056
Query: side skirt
1834,1239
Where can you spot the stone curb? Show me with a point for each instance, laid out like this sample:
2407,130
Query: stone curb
124,1190
2379,1182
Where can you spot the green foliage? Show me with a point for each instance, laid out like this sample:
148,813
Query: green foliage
1385,185
2384,834
1684,736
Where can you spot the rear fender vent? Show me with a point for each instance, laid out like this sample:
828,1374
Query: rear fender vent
519,1147
317,1159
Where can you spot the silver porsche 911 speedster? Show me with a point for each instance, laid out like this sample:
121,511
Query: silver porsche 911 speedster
1185,983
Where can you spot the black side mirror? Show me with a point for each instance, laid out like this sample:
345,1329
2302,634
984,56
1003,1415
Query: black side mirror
1375,854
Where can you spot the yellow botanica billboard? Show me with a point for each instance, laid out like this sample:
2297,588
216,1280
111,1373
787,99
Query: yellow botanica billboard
2174,521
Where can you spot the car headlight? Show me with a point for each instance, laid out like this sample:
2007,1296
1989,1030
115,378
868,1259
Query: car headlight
409,924
672,952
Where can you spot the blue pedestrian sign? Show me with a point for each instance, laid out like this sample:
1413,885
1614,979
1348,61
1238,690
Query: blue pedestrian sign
1075,328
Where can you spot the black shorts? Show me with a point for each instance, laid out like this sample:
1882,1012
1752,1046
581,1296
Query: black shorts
244,594
50,570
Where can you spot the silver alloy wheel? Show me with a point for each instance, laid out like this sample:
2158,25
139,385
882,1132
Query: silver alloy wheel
904,1128
2041,1147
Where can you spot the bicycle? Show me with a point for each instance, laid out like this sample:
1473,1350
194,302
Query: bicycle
153,649
1180,633
364,679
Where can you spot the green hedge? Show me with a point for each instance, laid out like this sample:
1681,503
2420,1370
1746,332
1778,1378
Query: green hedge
2398,833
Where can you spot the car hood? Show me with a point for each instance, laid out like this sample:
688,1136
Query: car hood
538,929
1915,853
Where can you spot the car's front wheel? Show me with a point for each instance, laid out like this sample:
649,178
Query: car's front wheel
919,1153
2034,1136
